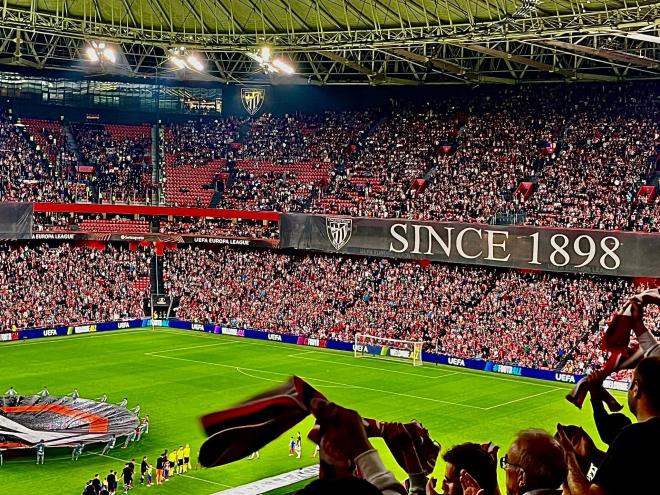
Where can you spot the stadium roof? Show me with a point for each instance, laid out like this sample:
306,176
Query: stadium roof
346,41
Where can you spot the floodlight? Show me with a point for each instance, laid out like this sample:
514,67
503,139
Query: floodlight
110,55
90,51
283,66
183,59
98,51
194,62
180,64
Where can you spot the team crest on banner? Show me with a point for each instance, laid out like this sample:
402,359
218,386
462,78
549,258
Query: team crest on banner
252,99
339,231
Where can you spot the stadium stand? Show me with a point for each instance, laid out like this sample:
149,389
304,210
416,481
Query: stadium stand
44,285
588,159
26,174
524,319
223,227
116,158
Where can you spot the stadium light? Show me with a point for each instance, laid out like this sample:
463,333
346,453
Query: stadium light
91,54
110,55
98,51
178,62
182,59
283,66
278,65
195,62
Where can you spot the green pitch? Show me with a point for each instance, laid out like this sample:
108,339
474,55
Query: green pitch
177,376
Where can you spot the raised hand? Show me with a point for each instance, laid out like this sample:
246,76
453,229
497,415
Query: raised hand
470,485
430,487
340,434
400,443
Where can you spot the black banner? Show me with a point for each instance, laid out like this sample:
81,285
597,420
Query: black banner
174,238
548,249
15,220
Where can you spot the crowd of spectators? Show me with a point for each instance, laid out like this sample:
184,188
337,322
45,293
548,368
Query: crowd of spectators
535,320
269,191
284,163
524,319
537,462
585,150
45,285
199,142
222,227
596,177
588,355
120,167
25,173
206,226
324,137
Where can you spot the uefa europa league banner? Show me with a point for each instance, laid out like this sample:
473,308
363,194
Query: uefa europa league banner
560,250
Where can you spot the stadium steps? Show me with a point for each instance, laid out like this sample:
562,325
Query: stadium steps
244,130
215,200
37,127
231,179
655,178
71,142
156,275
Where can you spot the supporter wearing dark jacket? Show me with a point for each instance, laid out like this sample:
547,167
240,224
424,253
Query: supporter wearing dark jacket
630,465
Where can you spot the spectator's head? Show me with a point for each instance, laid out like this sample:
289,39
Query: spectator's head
534,461
644,391
476,461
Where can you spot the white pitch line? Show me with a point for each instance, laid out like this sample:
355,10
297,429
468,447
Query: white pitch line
297,355
257,377
192,347
418,375
205,481
110,457
493,376
387,392
184,475
450,373
240,370
522,399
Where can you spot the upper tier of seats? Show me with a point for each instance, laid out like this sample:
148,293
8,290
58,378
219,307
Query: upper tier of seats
570,156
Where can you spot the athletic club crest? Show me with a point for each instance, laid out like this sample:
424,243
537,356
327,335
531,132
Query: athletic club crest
252,99
339,231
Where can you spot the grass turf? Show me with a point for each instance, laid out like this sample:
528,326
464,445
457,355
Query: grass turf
177,376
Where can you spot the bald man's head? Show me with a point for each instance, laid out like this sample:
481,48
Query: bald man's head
535,461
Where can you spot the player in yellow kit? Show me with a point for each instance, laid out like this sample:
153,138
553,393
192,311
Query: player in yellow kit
186,458
179,460
171,457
